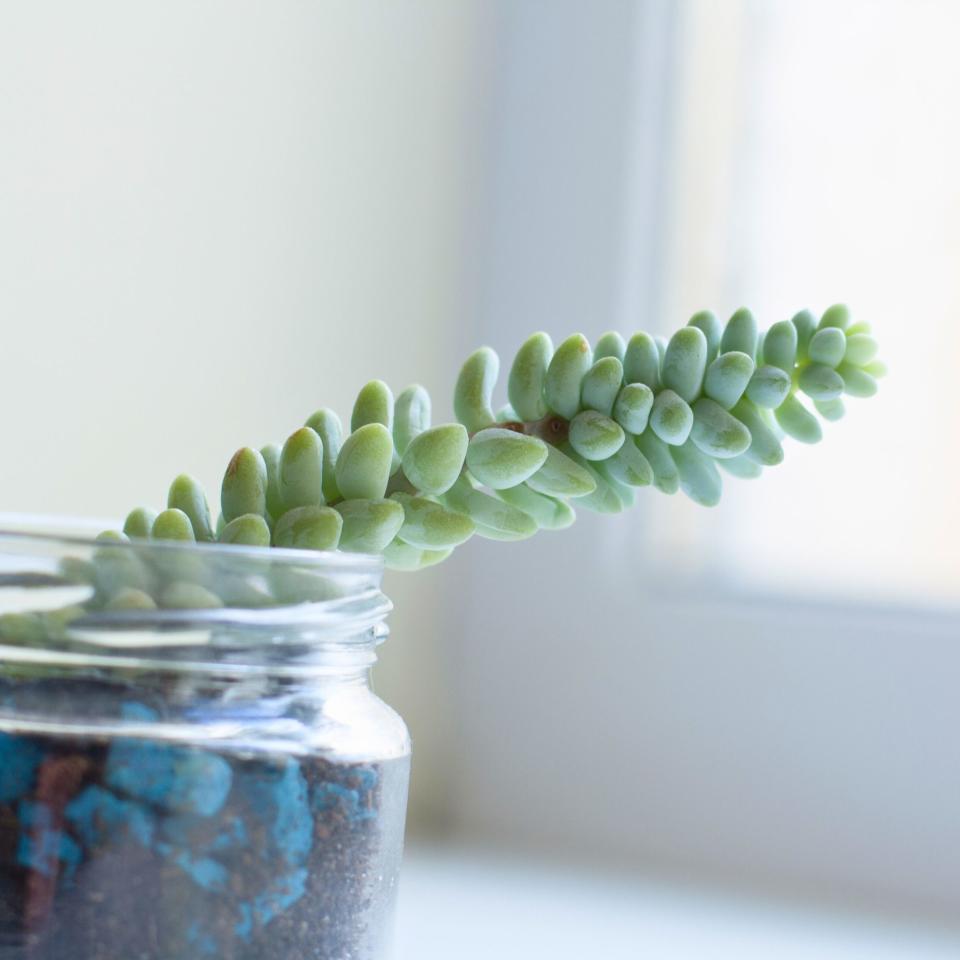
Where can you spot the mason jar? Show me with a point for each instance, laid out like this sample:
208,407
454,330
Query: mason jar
192,760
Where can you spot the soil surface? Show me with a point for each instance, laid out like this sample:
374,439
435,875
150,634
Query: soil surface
129,849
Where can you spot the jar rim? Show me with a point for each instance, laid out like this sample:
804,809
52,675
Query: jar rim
79,531
289,601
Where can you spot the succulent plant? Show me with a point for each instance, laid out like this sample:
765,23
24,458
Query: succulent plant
584,427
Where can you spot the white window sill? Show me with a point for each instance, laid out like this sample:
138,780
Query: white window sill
466,906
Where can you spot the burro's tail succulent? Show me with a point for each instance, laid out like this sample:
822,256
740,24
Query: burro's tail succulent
583,427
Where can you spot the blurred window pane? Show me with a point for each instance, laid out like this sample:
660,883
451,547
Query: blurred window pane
809,161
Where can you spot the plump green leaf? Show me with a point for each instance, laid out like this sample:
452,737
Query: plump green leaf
301,470
629,466
716,432
806,325
604,498
768,387
671,418
857,382
641,362
129,598
115,566
502,458
565,374
309,528
187,495
708,324
561,477
830,409
250,530
299,584
139,523
860,349
244,488
727,378
411,416
601,384
666,478
765,448
374,404
699,478
369,525
742,467
330,430
632,407
820,382
625,493
528,376
685,363
271,459
429,525
173,524
184,595
473,394
780,346
610,345
836,316
740,334
435,457
827,346
365,462
595,436
112,537
797,421
398,555
549,513
403,557
495,519
430,558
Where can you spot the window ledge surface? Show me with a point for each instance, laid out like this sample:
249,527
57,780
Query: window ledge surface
474,906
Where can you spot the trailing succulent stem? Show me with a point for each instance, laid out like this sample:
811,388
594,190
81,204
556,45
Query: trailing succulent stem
584,425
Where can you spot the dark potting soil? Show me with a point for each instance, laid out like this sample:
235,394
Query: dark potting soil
129,849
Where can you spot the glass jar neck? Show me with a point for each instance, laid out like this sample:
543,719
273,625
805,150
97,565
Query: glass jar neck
166,606
111,632
253,705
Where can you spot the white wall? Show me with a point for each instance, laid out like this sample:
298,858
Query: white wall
216,217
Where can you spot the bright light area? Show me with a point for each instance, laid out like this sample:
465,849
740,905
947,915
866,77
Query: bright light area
465,906
837,179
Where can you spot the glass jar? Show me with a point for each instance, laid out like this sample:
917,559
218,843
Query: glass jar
192,760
